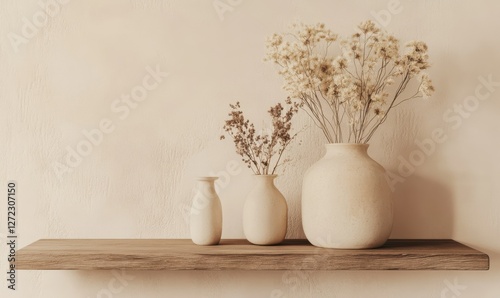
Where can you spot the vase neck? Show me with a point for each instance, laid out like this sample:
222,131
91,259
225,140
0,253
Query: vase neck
265,180
343,149
207,184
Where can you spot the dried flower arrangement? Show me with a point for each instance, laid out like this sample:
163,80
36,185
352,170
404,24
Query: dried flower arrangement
348,95
262,152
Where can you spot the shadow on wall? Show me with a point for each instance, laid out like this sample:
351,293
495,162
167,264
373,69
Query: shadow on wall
422,209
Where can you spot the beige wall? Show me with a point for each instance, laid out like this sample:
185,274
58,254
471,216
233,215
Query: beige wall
70,74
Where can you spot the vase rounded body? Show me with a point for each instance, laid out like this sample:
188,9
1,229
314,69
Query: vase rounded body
206,213
265,212
346,200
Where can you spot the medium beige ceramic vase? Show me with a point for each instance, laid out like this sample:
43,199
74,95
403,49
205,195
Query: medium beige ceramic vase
265,212
346,200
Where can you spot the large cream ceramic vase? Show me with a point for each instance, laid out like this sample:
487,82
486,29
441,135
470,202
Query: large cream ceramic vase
265,212
346,200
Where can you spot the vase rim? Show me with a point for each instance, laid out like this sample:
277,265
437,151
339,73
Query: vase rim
347,144
268,175
207,178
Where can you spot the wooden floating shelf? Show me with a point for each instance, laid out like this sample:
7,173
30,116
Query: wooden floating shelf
238,254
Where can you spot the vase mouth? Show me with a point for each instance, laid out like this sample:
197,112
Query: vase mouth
266,176
207,178
346,145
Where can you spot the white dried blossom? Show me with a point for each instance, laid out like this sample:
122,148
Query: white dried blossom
352,83
426,87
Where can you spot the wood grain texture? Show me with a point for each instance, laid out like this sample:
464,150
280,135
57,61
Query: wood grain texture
238,254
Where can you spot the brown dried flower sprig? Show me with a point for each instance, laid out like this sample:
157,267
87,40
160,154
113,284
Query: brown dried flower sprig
262,152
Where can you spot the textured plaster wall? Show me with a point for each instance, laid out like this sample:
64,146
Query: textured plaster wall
137,181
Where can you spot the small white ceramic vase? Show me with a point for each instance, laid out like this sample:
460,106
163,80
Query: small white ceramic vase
206,213
346,200
265,212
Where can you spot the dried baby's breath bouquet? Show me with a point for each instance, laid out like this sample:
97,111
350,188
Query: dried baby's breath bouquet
262,152
349,95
